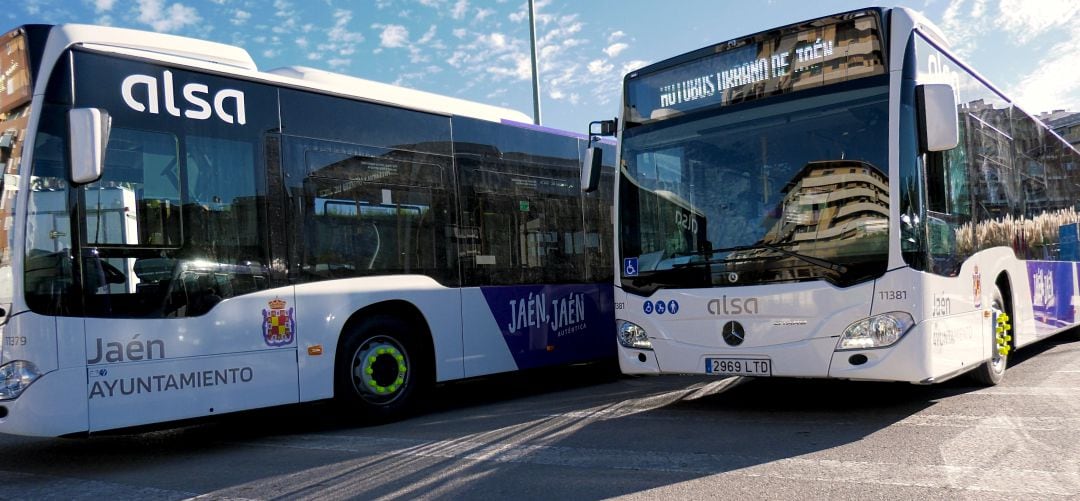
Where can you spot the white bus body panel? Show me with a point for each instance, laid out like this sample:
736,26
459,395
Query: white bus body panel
53,405
31,337
486,351
796,327
324,307
141,371
137,393
952,334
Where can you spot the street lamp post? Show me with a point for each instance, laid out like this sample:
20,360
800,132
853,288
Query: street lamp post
535,64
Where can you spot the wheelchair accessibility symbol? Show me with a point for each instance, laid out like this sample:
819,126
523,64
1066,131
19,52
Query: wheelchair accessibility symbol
630,268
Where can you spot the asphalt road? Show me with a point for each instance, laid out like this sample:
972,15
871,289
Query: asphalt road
586,434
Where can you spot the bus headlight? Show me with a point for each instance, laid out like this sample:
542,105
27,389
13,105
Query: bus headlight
15,377
877,331
632,335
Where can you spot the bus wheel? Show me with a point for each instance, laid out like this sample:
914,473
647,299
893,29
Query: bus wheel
992,371
381,369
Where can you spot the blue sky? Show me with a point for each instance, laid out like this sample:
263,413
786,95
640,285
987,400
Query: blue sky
479,49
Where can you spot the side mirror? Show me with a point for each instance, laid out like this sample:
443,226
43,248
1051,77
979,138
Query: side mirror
939,129
602,128
594,156
590,169
88,130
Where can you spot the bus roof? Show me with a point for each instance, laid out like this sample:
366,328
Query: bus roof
236,61
401,96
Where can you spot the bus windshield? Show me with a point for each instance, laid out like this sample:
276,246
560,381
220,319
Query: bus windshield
759,193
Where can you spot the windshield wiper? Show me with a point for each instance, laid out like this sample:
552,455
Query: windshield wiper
824,263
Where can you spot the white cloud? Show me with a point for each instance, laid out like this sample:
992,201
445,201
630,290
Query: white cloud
600,67
615,49
616,36
520,69
460,33
962,24
496,40
166,19
340,32
482,14
282,8
1055,83
428,36
285,27
240,17
1026,20
103,5
459,9
302,42
393,35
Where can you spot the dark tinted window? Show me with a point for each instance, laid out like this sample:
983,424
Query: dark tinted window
599,227
364,211
176,223
355,122
521,217
1009,183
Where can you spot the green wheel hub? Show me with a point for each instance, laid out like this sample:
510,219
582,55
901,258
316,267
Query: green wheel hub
380,369
1002,333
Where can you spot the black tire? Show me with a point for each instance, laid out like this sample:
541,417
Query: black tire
992,371
382,370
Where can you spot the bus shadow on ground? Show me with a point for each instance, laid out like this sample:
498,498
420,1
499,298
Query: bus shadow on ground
645,432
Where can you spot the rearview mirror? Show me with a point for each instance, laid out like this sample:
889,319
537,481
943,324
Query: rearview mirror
939,129
594,156
88,133
590,169
602,128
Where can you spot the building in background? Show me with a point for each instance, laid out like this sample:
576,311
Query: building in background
1065,123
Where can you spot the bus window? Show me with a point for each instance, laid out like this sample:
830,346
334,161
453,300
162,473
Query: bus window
137,200
520,199
371,211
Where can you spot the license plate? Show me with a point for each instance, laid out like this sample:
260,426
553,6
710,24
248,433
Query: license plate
738,367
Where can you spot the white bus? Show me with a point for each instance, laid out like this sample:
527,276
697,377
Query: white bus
183,236
875,210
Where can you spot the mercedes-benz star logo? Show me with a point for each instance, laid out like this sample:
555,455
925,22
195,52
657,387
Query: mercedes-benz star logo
733,333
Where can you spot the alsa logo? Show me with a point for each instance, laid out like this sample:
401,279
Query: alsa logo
733,306
137,88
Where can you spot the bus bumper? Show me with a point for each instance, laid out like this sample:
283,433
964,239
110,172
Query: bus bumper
811,358
54,405
638,362
808,358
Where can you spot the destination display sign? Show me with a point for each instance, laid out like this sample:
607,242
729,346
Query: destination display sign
821,52
14,71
